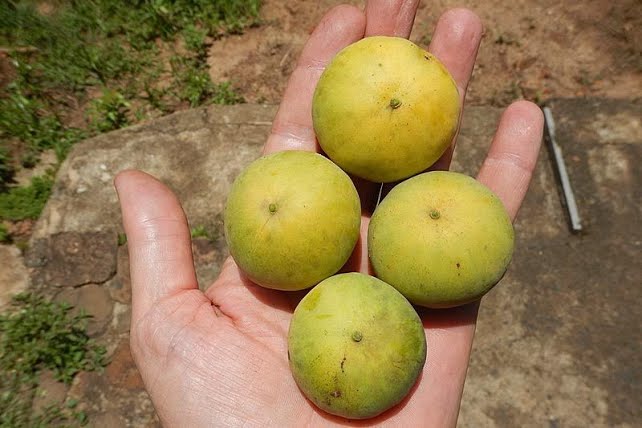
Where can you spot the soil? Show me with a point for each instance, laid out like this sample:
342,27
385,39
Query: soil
533,49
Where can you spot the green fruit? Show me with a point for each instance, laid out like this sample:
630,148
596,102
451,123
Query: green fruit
292,219
356,346
441,238
385,109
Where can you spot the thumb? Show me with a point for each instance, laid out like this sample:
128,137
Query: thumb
158,238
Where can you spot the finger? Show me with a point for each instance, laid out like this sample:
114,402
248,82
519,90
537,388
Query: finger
509,166
158,239
292,128
390,18
455,43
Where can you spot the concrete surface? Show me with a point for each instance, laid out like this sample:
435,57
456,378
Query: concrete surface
557,343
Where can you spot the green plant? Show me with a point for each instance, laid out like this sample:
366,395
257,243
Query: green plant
194,38
199,232
38,334
122,239
193,82
223,93
26,115
4,234
7,170
29,159
24,202
59,59
110,111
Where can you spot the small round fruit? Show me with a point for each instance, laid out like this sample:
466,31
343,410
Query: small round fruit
356,346
441,238
292,219
385,109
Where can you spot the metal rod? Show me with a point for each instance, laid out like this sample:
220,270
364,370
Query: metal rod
569,197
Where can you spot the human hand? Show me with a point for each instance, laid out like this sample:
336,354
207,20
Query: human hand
219,358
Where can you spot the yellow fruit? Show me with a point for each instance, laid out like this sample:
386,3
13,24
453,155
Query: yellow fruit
292,219
441,238
385,109
356,346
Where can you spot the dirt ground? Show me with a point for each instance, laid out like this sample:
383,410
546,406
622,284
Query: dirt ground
534,49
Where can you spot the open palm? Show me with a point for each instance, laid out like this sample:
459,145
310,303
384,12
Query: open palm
219,358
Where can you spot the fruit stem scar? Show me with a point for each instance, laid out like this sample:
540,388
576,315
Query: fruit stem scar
357,336
434,214
272,208
395,103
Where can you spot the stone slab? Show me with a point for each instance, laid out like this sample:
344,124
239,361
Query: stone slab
557,342
14,276
71,259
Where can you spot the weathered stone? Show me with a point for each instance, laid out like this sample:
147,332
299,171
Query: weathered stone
14,277
112,419
116,391
47,160
119,286
475,135
82,385
208,258
122,371
70,259
197,153
49,392
36,255
121,318
94,300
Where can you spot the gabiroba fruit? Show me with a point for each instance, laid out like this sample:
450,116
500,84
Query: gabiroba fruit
356,346
385,109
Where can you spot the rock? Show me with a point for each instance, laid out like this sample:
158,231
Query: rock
197,153
121,319
47,160
14,277
208,258
36,254
122,371
50,392
119,286
115,396
69,259
82,385
113,419
94,300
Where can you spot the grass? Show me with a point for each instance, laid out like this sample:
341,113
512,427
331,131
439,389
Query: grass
200,231
4,235
7,170
26,202
38,334
108,62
